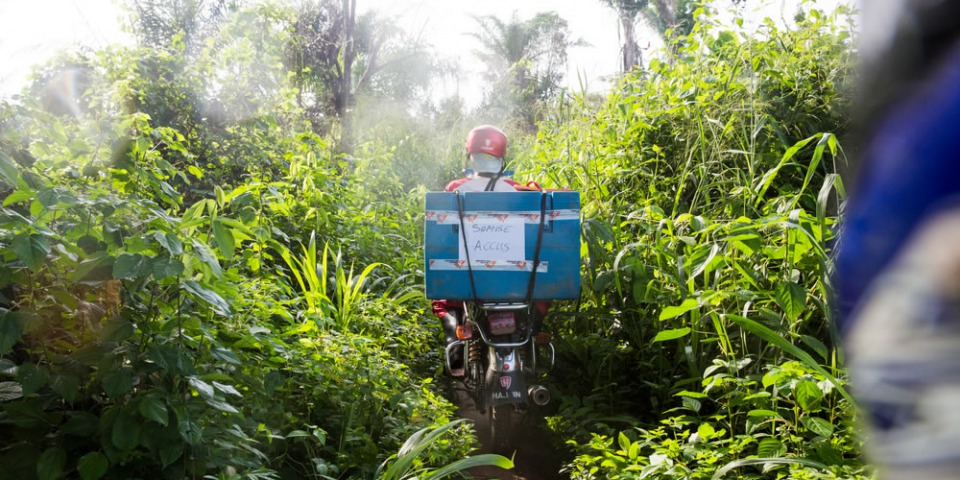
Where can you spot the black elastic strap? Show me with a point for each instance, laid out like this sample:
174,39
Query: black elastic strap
466,248
536,253
493,180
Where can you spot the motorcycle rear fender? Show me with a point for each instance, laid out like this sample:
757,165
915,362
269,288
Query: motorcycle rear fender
505,387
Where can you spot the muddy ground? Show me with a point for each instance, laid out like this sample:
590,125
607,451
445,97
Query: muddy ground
536,457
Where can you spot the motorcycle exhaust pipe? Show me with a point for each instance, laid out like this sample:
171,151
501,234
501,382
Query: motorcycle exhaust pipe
539,394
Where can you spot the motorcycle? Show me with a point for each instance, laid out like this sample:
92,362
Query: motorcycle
500,254
499,355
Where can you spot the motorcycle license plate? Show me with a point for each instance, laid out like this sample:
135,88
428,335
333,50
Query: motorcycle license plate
502,323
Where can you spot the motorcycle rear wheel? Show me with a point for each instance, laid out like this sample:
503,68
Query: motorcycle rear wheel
501,429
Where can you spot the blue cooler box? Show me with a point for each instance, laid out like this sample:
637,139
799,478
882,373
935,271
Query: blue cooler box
501,230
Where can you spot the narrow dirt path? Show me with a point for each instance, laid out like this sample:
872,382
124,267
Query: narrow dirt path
535,457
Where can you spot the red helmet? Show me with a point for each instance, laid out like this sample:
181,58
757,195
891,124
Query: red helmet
487,139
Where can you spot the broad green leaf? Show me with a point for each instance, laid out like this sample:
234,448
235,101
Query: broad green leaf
634,451
90,244
166,267
31,249
207,257
154,408
17,196
762,413
125,434
50,464
688,393
170,242
671,334
8,216
464,464
828,454
216,301
51,197
203,388
118,329
81,424
623,441
8,169
7,367
791,297
170,453
32,377
30,414
225,355
190,431
818,426
10,391
676,311
172,359
97,268
706,431
808,395
11,328
222,406
117,382
228,389
692,403
92,466
66,385
769,447
224,237
129,266
193,215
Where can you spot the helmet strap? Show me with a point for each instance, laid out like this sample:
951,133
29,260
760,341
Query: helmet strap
493,180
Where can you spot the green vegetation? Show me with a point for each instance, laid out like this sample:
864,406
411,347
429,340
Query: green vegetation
196,280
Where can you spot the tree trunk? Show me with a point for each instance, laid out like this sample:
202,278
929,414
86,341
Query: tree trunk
631,51
346,83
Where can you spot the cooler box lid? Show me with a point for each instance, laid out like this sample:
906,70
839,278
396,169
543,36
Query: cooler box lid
501,230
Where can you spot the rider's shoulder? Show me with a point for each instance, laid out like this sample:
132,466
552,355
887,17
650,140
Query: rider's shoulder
453,185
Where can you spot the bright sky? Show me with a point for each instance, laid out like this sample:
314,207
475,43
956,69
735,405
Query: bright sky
31,31
448,25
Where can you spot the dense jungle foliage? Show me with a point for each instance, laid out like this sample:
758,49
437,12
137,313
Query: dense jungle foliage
200,280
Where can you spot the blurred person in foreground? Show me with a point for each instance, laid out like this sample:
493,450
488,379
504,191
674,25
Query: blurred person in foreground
898,263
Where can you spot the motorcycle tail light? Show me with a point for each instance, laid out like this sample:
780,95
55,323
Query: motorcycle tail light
502,323
464,332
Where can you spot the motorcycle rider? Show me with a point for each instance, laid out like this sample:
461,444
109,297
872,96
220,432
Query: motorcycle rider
486,146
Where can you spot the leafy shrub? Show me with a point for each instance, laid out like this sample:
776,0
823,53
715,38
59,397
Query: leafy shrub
142,335
709,185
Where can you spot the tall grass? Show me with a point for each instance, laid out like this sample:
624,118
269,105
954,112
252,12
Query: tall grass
710,188
337,307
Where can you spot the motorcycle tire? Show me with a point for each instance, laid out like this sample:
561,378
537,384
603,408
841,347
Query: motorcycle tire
501,429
